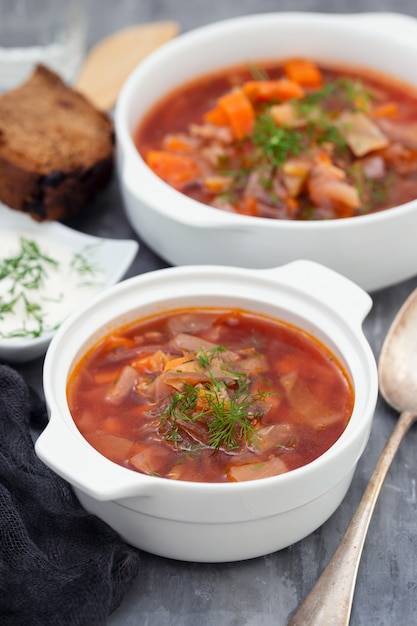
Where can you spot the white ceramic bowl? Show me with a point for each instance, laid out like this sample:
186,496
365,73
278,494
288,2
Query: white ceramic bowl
215,521
375,250
111,258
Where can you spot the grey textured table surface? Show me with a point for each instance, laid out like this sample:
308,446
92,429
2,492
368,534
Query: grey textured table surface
265,591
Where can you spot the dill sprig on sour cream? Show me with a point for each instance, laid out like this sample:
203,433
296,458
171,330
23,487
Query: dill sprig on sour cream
23,276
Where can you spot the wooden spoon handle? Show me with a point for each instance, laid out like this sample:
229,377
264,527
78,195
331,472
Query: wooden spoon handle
329,603
110,62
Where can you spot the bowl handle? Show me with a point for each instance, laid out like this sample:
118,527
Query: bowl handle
83,467
345,297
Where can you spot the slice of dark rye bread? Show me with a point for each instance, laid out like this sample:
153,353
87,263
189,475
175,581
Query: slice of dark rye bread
56,149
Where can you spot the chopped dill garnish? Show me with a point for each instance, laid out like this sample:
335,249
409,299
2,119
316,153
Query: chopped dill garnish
28,268
313,99
276,143
84,267
24,273
324,132
225,405
355,92
351,92
205,357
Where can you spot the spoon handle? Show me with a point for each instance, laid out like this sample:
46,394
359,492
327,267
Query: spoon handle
329,603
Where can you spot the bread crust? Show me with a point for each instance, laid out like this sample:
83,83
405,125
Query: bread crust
56,148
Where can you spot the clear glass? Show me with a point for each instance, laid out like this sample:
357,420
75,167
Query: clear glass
52,32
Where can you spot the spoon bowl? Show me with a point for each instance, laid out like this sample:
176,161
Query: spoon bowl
398,359
329,603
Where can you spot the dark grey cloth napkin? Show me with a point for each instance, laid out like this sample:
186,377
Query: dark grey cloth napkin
59,565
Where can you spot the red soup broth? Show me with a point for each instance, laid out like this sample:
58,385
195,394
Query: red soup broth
210,395
289,139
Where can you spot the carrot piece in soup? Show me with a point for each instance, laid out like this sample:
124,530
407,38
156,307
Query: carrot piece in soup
239,111
175,169
217,116
303,72
217,184
176,364
105,376
249,206
291,205
177,143
114,341
271,90
113,425
385,110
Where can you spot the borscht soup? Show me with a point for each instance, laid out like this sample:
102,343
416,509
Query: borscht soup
292,140
210,395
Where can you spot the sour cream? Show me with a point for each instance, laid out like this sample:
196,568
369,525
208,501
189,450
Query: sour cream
37,292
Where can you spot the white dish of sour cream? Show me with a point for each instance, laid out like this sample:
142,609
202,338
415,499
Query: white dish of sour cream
47,271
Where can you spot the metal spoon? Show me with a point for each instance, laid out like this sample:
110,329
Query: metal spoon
329,603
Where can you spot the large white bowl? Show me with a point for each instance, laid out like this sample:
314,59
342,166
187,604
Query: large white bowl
215,521
374,250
